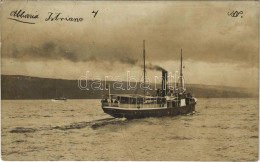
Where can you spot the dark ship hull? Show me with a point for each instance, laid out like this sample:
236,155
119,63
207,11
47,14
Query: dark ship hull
146,112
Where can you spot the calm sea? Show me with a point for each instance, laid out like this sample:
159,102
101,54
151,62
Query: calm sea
221,129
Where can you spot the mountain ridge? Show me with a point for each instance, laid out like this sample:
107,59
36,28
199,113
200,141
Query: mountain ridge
27,87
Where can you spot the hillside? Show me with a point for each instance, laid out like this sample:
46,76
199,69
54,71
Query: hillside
26,87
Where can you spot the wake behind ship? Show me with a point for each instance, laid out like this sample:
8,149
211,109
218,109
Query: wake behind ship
166,102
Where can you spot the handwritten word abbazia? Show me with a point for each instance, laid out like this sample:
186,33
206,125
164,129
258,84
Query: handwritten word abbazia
22,14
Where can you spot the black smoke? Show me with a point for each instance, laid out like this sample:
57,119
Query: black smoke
155,67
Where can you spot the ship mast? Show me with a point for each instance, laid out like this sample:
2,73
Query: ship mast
181,75
144,62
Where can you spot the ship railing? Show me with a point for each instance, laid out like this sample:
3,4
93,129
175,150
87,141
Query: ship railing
111,104
143,103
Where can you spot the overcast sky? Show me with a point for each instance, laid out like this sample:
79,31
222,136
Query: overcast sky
217,49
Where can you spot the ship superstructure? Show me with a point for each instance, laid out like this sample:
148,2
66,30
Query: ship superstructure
166,102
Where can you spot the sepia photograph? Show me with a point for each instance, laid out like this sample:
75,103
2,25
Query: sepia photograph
129,80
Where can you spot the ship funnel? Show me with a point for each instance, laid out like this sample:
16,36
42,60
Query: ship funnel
164,82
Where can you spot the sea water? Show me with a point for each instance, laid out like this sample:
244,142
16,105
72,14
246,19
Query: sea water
221,129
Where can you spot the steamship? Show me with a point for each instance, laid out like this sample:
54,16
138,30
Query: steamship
166,102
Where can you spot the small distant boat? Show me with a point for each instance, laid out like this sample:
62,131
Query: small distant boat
59,98
166,102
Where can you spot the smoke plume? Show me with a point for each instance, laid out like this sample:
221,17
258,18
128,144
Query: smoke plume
155,67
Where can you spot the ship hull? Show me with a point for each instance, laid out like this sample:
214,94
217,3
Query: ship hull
147,112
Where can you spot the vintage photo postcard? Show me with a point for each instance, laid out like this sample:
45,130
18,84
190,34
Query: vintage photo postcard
129,80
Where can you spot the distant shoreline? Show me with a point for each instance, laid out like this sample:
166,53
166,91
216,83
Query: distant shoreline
101,98
18,87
